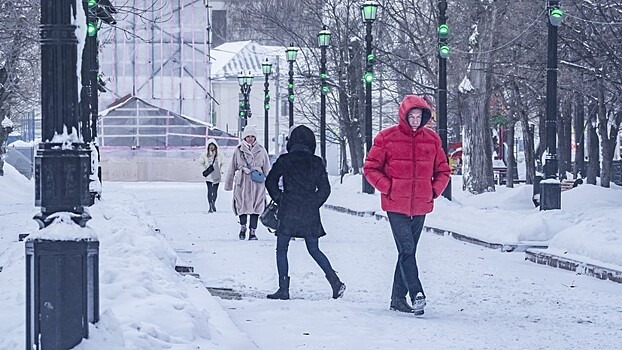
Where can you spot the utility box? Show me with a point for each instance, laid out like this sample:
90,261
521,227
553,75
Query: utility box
62,292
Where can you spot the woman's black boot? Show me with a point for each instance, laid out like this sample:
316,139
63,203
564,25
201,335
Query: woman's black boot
338,287
283,292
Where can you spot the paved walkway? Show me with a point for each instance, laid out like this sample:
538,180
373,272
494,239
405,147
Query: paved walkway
536,253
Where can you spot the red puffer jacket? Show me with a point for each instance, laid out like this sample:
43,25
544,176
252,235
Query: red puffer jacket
408,167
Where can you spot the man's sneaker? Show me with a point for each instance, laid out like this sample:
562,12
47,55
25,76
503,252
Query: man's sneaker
419,304
401,305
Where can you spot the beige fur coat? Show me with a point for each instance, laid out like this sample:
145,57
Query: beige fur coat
248,197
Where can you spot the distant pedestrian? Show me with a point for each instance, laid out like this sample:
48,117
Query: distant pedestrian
249,196
409,168
212,158
305,189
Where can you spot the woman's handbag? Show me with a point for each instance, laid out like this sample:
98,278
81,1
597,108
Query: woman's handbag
258,176
269,216
209,169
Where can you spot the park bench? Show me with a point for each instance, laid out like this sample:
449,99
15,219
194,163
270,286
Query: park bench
569,184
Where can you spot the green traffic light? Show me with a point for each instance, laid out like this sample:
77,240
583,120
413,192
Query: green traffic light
266,106
91,29
444,51
371,57
368,77
555,17
241,113
557,13
291,97
290,85
267,95
443,30
92,3
323,76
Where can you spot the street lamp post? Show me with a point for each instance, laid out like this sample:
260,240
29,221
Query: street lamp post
550,195
323,40
245,81
443,54
369,10
291,53
62,290
266,67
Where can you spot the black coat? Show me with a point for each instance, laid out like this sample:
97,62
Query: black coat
305,189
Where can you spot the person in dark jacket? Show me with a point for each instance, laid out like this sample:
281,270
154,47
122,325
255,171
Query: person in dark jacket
305,189
409,168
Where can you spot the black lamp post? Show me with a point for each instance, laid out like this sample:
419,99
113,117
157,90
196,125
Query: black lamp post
369,10
266,67
323,40
245,81
443,54
62,290
550,195
291,53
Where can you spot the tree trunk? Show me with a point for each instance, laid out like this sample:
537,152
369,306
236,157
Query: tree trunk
477,172
528,137
510,131
605,146
579,136
564,142
530,155
593,162
542,138
355,84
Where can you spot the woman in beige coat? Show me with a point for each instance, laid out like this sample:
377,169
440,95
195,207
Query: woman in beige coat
212,157
249,197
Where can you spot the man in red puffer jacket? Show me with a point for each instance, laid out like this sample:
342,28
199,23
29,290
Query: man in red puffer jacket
408,166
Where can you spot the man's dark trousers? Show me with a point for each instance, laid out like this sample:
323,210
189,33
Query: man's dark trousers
406,232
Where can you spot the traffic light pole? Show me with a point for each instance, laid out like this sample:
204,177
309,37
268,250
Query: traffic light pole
89,99
367,187
550,195
442,89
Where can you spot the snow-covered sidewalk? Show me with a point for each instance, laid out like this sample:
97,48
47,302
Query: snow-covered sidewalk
478,298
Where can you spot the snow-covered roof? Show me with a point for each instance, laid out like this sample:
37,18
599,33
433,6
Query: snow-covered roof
229,59
133,122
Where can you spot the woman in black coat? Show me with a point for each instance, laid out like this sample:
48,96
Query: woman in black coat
305,189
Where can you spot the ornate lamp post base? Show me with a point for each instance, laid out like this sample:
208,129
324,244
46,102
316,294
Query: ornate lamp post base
62,182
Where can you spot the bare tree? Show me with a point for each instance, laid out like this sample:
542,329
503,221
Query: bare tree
19,56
